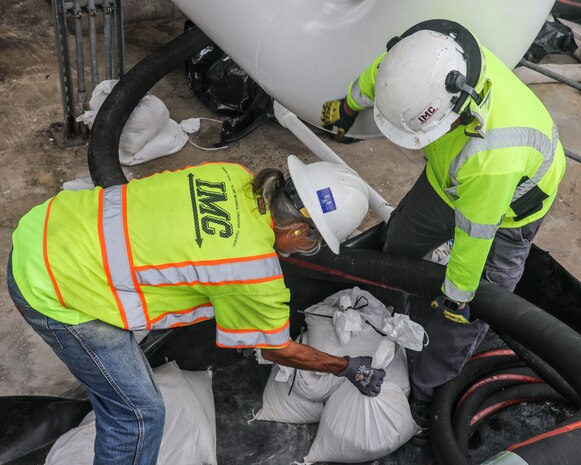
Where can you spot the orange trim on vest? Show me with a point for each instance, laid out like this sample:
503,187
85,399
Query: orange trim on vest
45,254
206,262
130,255
220,283
199,320
178,312
106,262
265,331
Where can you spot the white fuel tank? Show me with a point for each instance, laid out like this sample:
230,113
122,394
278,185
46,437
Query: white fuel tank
304,52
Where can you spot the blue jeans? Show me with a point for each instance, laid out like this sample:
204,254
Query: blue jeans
108,361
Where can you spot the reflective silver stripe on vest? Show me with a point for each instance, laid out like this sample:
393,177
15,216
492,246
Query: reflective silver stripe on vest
541,170
235,272
118,259
506,138
362,100
475,230
457,294
184,318
252,338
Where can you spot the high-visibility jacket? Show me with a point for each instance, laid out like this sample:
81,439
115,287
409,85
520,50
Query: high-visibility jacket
172,249
508,179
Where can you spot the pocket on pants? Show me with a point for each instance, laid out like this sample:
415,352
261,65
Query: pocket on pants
42,325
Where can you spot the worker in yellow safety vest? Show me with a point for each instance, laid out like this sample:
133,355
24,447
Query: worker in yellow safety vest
494,163
88,268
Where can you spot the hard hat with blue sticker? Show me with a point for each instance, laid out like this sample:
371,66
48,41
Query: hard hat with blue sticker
326,200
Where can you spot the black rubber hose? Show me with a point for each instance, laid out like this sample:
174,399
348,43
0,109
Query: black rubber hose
550,339
103,154
559,446
544,370
443,440
550,286
513,395
479,392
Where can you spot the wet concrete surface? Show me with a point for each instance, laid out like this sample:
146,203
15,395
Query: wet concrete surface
33,168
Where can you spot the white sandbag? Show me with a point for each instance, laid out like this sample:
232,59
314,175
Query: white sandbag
189,435
316,387
407,333
100,93
170,139
149,132
323,333
147,119
283,373
279,406
355,428
397,371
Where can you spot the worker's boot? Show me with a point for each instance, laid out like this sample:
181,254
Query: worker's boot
420,410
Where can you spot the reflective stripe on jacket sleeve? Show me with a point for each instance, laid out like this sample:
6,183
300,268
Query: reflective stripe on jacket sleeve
361,92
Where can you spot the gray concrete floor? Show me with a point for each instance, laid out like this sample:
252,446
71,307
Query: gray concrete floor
33,168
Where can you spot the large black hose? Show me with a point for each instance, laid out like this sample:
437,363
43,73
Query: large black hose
480,391
544,370
446,449
513,395
559,446
104,163
550,286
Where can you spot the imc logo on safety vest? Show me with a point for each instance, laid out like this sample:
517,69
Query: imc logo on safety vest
209,216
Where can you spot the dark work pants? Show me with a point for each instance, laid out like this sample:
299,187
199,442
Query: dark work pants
422,222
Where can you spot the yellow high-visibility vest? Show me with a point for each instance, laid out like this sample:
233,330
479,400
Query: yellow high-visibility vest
169,250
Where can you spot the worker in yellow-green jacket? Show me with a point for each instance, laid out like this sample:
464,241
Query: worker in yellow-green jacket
494,163
88,268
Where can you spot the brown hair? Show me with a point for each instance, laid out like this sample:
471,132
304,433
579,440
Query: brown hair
269,183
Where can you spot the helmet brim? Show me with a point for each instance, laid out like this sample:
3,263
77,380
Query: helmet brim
303,184
413,140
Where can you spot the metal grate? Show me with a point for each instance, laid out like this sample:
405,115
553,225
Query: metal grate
97,26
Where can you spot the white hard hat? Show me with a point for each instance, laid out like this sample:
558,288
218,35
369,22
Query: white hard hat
334,195
425,82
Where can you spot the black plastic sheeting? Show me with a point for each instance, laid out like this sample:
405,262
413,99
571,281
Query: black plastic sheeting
226,89
29,425
554,37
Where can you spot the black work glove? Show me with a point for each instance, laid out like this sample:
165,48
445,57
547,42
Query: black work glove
458,312
368,380
336,113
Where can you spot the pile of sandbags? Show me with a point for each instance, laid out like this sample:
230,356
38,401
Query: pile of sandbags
352,427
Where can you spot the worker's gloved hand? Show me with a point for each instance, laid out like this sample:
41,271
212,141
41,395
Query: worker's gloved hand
336,113
458,312
368,380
